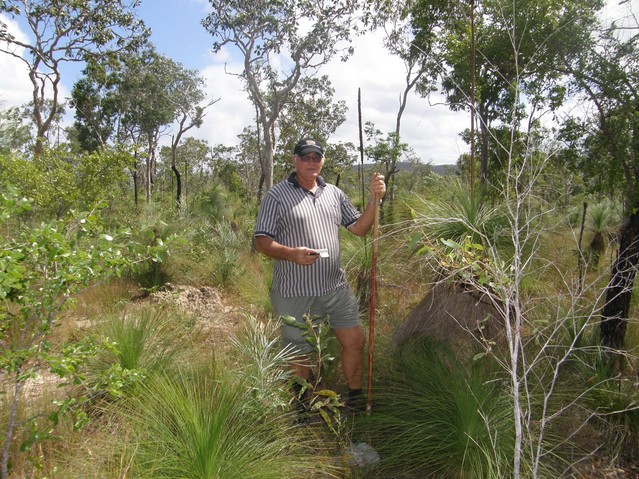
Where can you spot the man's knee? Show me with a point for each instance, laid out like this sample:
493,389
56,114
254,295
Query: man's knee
351,339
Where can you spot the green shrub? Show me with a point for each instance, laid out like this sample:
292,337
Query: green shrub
41,269
143,342
205,425
435,417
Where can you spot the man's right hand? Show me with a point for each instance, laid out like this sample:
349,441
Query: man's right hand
271,248
304,255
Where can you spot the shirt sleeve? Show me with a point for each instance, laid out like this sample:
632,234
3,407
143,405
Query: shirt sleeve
350,214
267,217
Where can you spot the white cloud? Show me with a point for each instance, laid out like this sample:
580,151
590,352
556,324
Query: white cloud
15,86
227,118
431,130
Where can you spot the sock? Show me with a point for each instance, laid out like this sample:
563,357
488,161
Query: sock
356,399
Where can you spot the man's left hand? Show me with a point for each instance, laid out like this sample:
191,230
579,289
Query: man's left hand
377,187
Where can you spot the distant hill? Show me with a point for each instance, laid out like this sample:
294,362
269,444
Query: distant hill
443,170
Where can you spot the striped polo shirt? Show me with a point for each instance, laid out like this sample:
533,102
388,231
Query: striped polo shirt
294,217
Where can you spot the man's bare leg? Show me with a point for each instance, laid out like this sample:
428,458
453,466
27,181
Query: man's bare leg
353,342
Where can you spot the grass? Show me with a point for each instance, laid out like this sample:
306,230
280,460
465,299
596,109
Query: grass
203,424
434,417
143,342
465,215
253,286
611,402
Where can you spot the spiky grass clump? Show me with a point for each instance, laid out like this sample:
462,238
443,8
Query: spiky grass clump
602,219
434,418
464,215
205,425
142,343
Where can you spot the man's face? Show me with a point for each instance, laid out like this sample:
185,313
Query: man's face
308,165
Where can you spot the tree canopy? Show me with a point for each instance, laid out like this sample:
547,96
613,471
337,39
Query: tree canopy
67,31
303,35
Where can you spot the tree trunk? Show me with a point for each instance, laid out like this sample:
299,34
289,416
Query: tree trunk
134,174
178,178
135,187
178,186
619,291
260,188
12,425
148,174
485,140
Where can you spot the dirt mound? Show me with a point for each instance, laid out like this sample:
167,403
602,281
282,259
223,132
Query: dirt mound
453,314
215,318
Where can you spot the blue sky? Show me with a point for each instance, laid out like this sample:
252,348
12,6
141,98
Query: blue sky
432,131
428,126
177,31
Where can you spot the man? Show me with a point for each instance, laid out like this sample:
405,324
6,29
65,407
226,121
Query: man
298,226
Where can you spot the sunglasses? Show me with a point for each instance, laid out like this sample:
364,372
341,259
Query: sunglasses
314,157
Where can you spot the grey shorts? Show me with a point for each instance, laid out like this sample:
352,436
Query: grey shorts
340,307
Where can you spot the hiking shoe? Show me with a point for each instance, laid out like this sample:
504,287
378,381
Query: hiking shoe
356,401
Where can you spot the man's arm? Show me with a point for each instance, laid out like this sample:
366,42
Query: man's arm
363,224
300,255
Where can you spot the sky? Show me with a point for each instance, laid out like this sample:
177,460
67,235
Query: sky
428,126
431,130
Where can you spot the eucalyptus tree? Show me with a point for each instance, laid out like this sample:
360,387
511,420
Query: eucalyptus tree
395,17
95,110
14,133
340,158
310,111
279,42
545,32
385,151
134,101
187,96
145,107
605,145
234,170
62,31
191,157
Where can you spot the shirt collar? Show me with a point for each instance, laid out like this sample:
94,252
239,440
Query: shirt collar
292,178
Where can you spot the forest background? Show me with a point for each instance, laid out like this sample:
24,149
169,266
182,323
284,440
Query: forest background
507,340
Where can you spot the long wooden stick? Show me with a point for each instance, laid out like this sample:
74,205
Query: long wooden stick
372,305
360,169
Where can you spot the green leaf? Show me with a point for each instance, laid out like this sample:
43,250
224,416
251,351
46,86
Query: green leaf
412,245
451,244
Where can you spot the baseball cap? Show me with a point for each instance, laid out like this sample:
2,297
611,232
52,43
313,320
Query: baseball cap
306,146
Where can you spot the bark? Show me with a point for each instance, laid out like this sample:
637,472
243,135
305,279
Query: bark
485,139
178,186
134,175
616,310
580,259
12,426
